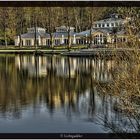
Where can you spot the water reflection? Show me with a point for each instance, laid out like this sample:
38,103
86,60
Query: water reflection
65,67
69,86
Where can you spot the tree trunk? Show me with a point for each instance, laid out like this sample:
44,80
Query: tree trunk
35,39
20,41
90,40
51,37
69,39
5,38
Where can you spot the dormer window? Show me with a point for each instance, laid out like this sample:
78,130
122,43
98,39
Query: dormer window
64,29
38,29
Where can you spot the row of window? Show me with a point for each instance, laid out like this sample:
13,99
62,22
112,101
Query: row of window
100,35
119,40
56,42
97,39
102,25
28,43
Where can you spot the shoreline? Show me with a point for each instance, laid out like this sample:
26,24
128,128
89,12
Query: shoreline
106,52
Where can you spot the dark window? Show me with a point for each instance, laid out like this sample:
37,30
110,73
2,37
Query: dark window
28,42
37,42
107,24
65,41
116,23
124,40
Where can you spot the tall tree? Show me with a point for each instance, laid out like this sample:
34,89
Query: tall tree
4,18
68,19
20,20
95,13
50,21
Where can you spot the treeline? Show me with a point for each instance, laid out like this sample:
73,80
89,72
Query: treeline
16,20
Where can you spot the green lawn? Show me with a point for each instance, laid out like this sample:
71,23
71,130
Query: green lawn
42,48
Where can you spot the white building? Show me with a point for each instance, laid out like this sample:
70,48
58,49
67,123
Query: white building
28,38
106,31
112,21
60,37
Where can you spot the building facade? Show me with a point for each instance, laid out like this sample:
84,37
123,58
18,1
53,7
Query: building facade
60,37
104,32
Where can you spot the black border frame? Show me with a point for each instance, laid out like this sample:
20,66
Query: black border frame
69,4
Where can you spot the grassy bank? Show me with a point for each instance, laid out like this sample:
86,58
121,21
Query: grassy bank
42,48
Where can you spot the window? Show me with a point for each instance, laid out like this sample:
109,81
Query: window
116,23
124,40
22,42
107,24
103,25
101,35
65,41
97,36
99,25
47,42
112,24
55,41
37,41
28,42
95,25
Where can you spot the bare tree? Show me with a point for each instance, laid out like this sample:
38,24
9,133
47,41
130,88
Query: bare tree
95,13
20,20
4,15
68,22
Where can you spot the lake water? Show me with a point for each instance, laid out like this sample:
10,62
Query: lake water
54,94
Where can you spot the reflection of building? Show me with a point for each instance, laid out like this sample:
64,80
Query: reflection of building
66,67
102,70
35,66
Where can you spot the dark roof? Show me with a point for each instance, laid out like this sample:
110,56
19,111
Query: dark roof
83,34
46,35
65,34
32,35
105,31
109,20
122,32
